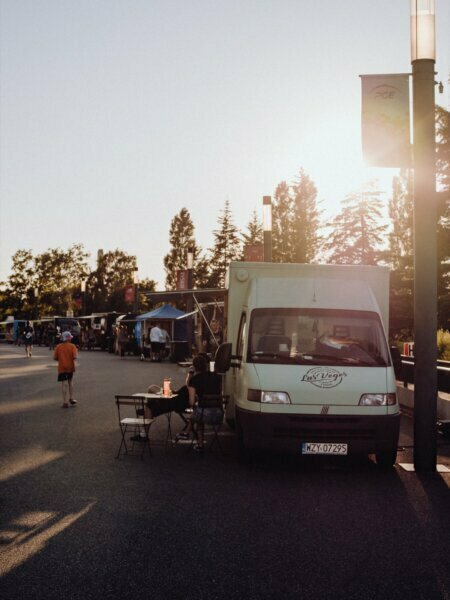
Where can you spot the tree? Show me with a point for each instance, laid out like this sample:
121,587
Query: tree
22,279
283,242
58,274
226,247
305,219
399,256
44,284
181,237
106,284
357,231
443,234
254,235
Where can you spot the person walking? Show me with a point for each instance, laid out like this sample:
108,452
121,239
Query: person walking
123,340
156,342
66,354
28,339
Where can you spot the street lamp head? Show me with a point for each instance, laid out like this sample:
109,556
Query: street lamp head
267,213
136,276
190,258
423,39
83,285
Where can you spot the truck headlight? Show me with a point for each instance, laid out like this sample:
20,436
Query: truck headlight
378,400
268,397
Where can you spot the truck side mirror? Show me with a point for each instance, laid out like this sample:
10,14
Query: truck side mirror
397,362
222,360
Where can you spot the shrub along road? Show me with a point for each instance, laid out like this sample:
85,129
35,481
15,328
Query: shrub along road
77,523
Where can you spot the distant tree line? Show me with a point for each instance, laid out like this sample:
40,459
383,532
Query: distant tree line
359,234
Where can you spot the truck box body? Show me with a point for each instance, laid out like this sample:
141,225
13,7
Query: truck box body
312,371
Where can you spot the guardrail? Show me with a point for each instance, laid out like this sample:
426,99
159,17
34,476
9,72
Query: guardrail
443,373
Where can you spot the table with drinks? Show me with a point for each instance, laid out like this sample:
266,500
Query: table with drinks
166,393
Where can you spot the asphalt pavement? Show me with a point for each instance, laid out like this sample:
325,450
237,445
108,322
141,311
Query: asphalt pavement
77,523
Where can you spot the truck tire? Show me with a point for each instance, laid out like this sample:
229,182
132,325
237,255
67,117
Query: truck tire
386,458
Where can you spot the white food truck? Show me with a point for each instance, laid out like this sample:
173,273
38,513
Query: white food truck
311,368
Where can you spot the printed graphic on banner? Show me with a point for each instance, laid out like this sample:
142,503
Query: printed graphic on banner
182,279
385,120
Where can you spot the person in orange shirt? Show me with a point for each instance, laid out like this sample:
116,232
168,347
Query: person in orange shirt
66,354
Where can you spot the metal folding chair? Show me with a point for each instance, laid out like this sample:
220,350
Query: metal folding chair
211,401
134,424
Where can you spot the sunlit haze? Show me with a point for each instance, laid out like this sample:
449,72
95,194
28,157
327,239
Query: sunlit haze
115,115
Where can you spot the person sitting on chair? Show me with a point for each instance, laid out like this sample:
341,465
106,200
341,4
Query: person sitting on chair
160,406
203,383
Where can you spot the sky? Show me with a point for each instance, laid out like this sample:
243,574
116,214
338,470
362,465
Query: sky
115,114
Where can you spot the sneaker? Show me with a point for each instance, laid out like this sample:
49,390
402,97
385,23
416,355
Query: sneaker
72,402
64,406
198,448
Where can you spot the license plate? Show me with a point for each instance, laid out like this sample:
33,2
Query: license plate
323,448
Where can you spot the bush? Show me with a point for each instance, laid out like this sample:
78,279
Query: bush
443,344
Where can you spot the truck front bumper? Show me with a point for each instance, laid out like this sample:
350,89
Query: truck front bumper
286,433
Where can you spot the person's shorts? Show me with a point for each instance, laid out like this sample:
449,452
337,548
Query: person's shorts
156,346
209,416
65,376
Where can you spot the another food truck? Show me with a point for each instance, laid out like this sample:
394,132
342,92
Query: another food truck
311,370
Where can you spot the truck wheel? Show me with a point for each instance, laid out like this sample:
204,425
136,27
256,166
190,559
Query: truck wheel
386,458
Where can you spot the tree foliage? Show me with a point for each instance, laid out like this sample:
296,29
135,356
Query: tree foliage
443,177
399,255
44,284
181,238
283,242
295,221
226,247
254,234
357,231
306,219
105,286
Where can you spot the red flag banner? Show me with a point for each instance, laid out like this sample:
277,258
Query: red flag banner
254,253
129,293
385,120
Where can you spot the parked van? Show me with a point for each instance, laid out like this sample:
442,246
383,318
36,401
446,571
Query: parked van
311,372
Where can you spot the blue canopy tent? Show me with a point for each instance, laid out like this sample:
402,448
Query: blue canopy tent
166,315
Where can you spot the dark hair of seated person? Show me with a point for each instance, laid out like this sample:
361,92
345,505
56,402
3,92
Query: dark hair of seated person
200,364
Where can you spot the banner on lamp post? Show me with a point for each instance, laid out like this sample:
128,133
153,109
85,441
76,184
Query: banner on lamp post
183,279
385,120
129,294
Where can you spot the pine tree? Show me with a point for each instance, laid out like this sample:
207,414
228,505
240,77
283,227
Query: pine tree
181,238
226,247
306,219
255,234
356,232
283,242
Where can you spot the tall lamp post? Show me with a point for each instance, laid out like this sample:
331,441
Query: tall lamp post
189,304
36,298
267,228
136,291
425,225
83,297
